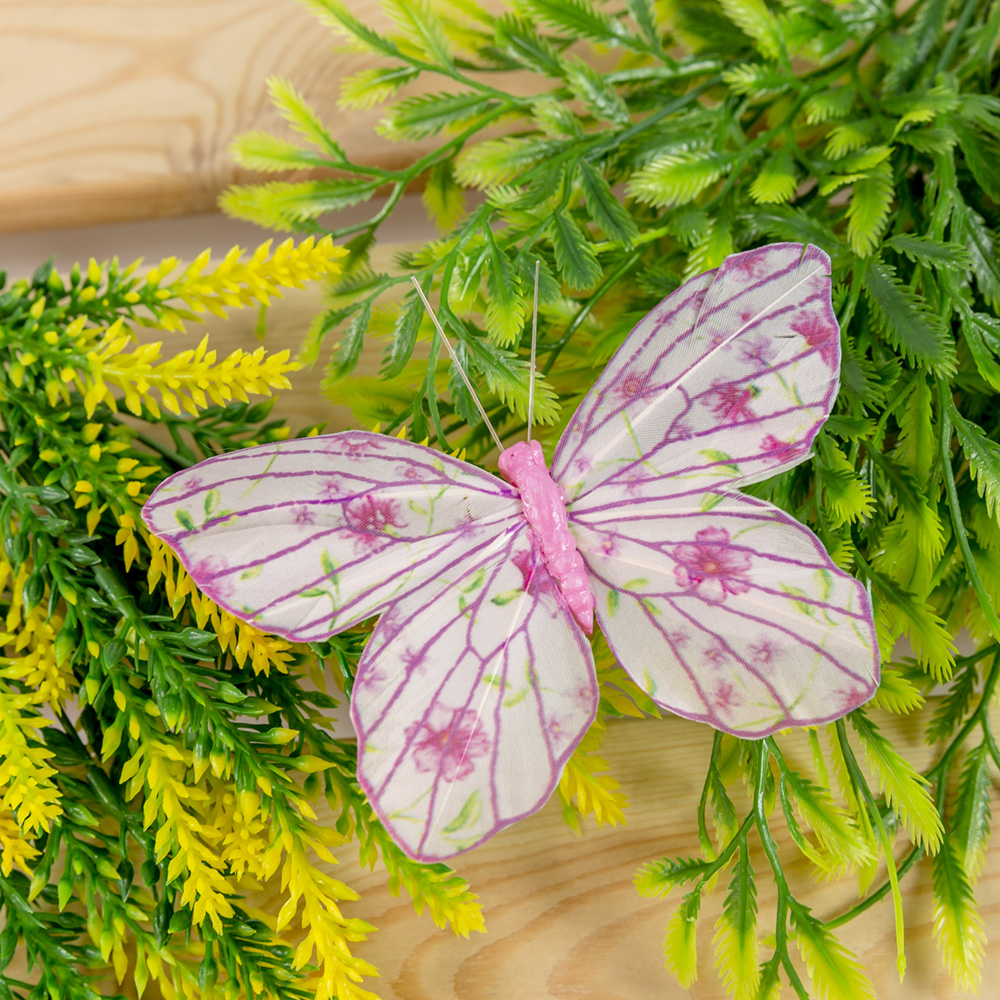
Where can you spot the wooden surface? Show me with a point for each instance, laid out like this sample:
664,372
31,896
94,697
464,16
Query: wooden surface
565,922
124,109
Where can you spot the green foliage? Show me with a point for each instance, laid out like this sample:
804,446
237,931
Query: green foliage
870,129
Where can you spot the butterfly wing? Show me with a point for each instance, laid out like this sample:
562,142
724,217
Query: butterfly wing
728,379
470,696
724,608
307,537
732,615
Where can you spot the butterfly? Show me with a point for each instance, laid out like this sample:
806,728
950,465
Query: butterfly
478,679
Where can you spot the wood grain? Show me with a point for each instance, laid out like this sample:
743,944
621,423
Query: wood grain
124,109
564,921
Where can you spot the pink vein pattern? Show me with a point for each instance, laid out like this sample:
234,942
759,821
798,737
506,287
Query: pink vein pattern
477,683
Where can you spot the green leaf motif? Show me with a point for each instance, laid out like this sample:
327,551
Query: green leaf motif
468,815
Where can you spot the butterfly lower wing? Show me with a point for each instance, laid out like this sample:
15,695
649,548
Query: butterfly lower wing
732,615
469,698
726,381
309,536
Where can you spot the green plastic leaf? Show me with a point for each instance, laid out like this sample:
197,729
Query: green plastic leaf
505,302
755,19
736,932
868,212
603,207
575,257
958,926
836,973
422,26
776,181
443,196
972,813
984,459
657,878
369,87
680,945
595,93
427,114
907,322
905,789
676,178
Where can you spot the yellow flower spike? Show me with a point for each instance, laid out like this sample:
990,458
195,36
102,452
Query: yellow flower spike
94,272
88,294
50,456
37,308
51,338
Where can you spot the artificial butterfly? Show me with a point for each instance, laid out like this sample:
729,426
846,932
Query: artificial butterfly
478,682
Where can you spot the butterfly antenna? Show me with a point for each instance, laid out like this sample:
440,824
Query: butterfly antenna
454,358
534,346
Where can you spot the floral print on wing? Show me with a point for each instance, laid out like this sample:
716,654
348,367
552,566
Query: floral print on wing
782,451
449,743
821,334
371,517
731,402
533,580
711,567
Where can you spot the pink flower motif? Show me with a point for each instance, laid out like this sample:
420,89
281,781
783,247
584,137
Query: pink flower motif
762,652
448,745
854,697
678,638
632,386
725,696
413,660
305,515
372,517
758,351
711,567
820,334
732,401
750,266
716,655
781,451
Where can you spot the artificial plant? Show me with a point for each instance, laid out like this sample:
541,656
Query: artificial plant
658,138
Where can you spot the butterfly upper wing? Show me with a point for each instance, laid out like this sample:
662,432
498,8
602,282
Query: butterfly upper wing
470,696
722,607
309,536
734,615
729,378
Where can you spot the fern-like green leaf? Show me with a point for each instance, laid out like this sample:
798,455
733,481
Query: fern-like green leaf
404,336
506,377
680,945
504,295
498,161
848,137
422,26
369,87
736,932
336,15
828,105
291,205
984,459
907,322
905,789
427,114
776,182
262,151
443,197
972,813
868,212
576,19
958,927
836,973
575,257
981,333
756,79
896,693
603,207
518,40
595,93
980,243
846,497
930,252
676,178
754,18
657,878
301,115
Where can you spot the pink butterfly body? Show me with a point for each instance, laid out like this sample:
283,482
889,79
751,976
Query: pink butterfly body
478,681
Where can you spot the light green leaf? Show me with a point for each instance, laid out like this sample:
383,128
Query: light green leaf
907,322
736,932
427,114
575,257
604,208
848,137
984,459
680,946
595,93
504,295
896,693
776,181
971,820
755,19
836,973
827,105
657,878
905,789
498,161
676,178
365,89
404,335
422,26
443,197
868,211
958,927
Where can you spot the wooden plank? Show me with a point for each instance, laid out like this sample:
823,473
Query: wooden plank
564,921
124,109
